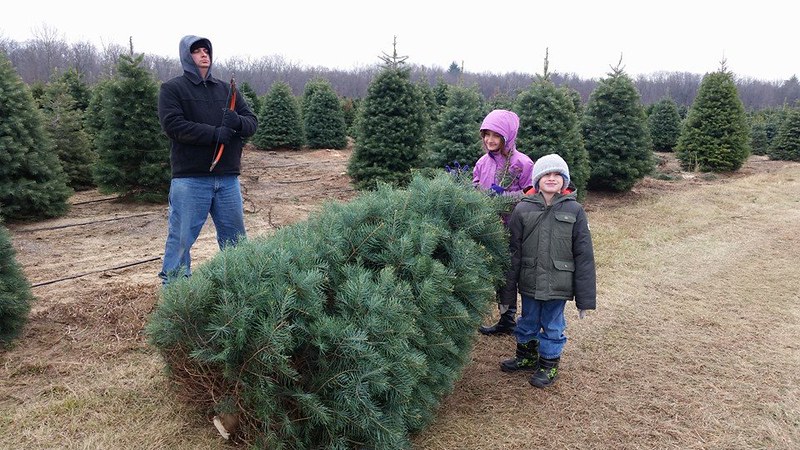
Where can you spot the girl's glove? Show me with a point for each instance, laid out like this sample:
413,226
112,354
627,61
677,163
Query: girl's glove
581,313
496,190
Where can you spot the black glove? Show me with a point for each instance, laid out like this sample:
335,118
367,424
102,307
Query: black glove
230,119
223,135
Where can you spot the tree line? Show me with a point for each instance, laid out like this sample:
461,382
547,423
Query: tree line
46,54
67,134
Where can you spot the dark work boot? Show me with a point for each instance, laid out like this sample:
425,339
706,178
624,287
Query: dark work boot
527,358
505,325
546,374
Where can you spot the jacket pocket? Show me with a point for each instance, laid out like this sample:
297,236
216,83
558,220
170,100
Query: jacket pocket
566,266
562,228
561,283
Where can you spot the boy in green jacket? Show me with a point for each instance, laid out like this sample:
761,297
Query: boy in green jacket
552,259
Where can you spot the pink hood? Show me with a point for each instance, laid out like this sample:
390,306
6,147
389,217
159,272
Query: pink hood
505,123
512,173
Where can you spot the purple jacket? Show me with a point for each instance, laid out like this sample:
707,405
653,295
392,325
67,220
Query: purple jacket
513,173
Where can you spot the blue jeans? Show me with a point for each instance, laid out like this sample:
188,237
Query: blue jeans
190,202
543,321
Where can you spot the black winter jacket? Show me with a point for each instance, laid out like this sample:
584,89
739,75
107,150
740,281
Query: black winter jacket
190,109
551,250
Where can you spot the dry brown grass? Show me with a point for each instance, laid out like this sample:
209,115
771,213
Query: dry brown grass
695,343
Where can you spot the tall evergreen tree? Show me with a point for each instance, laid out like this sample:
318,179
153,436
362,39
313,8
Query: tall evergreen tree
133,152
455,136
33,184
64,123
616,135
323,118
391,131
15,292
550,124
715,137
786,145
665,125
280,125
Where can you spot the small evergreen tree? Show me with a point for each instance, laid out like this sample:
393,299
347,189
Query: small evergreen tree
93,117
441,91
715,137
323,118
133,152
432,109
64,123
665,125
786,145
549,124
391,131
37,89
577,103
15,292
279,122
250,96
683,111
499,100
616,135
77,88
759,142
33,184
350,110
454,71
455,136
317,83
773,118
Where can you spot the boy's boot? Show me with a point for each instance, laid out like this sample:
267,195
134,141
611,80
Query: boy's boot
505,325
546,374
527,358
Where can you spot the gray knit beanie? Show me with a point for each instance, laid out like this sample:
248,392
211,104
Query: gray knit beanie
548,164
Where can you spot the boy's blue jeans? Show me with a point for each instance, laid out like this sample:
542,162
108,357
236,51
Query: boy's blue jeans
543,321
191,200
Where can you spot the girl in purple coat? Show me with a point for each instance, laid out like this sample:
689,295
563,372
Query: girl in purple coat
502,170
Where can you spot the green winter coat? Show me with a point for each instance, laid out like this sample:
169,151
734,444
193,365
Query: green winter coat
552,257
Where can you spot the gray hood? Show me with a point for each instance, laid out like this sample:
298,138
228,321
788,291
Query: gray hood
185,55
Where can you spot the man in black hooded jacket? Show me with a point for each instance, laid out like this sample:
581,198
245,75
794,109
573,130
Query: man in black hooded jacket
194,113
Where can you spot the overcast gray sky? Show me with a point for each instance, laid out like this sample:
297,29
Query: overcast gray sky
586,37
